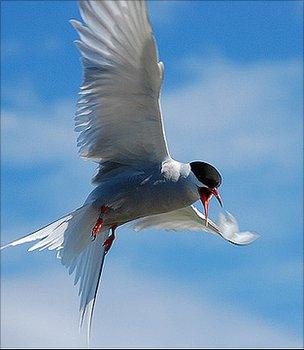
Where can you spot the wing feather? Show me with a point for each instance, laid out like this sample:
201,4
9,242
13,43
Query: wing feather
190,218
118,116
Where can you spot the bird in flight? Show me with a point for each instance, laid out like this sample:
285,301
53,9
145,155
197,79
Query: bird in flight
120,126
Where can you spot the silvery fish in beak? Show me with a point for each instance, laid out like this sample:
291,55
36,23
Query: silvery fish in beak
120,126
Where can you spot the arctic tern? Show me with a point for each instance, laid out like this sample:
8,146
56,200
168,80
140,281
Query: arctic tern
120,127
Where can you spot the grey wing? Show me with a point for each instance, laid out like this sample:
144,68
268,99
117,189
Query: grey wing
118,117
189,218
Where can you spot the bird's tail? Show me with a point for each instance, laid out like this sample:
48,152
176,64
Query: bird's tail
71,237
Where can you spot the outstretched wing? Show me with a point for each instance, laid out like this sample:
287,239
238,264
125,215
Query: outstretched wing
190,218
118,116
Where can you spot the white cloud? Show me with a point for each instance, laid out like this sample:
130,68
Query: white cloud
16,48
52,45
163,12
236,113
38,135
133,310
229,114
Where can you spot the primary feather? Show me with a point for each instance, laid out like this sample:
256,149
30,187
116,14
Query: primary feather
190,218
121,87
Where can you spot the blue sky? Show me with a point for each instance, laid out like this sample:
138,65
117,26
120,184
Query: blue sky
232,96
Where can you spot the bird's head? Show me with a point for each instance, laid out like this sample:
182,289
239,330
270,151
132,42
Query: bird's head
208,181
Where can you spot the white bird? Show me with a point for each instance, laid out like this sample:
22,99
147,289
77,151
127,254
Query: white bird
120,126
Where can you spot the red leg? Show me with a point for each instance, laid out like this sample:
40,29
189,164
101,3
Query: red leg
109,241
97,227
99,222
104,209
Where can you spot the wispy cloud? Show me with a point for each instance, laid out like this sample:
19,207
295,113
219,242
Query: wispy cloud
133,311
38,133
236,113
233,112
16,49
163,12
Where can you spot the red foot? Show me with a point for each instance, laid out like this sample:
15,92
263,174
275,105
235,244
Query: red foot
109,241
97,227
99,222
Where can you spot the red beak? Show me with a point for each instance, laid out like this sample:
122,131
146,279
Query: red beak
206,194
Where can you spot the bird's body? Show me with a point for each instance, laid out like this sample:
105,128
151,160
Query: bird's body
137,193
120,126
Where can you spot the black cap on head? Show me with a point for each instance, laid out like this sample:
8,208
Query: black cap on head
206,174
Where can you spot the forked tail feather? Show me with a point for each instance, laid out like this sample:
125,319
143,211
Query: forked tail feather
71,237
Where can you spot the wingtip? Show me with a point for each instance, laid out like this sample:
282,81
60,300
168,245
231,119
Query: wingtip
5,246
244,238
12,244
74,23
229,230
255,236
